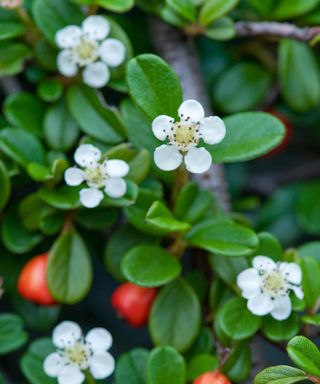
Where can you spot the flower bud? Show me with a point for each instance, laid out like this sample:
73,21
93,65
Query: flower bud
133,303
212,378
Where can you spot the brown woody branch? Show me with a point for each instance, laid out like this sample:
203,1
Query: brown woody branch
276,29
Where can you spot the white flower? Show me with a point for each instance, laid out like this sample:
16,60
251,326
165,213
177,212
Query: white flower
11,4
107,175
87,47
184,136
267,287
76,353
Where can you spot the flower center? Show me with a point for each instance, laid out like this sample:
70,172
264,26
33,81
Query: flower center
86,51
96,176
77,354
184,134
275,284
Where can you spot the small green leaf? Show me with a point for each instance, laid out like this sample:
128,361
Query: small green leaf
116,5
214,9
241,369
50,90
281,330
311,249
295,60
167,322
310,280
305,355
161,217
96,218
150,266
12,335
5,183
32,362
200,364
269,245
287,9
222,29
280,374
309,207
154,86
100,121
166,365
13,57
11,29
224,238
69,273
237,321
132,367
184,8
64,197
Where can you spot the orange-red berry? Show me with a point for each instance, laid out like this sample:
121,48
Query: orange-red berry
212,378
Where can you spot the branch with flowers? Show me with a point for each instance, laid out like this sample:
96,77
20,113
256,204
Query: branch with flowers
132,250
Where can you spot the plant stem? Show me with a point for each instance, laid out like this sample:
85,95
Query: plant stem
89,378
32,34
181,179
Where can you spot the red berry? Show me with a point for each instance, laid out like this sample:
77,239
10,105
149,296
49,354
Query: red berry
212,378
133,303
288,133
32,283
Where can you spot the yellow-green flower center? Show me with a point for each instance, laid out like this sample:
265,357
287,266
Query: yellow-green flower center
86,51
77,354
184,134
96,176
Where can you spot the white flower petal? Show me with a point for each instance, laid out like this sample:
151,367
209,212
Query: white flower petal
90,197
53,364
260,305
249,281
112,52
99,339
71,374
167,157
66,334
212,129
198,160
96,75
116,168
87,155
74,176
66,63
96,27
191,109
161,126
263,263
298,292
101,365
292,272
115,187
282,308
68,37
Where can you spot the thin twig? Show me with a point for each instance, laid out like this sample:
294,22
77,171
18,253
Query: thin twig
277,29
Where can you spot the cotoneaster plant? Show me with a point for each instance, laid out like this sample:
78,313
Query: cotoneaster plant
146,234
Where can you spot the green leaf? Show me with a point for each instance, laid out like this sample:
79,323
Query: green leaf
132,367
295,60
12,335
312,319
64,197
167,322
166,365
287,9
281,330
50,90
228,268
128,199
154,86
222,29
237,321
5,183
98,120
11,29
170,16
192,203
24,110
214,9
184,8
309,207
311,249
69,273
96,218
13,57
161,217
241,87
280,374
52,15
150,266
304,354
249,135
269,245
119,243
225,238
200,364
32,362
60,130
310,280
116,5
241,369
21,146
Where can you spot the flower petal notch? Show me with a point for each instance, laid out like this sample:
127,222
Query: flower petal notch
184,136
267,287
77,354
99,176
89,48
